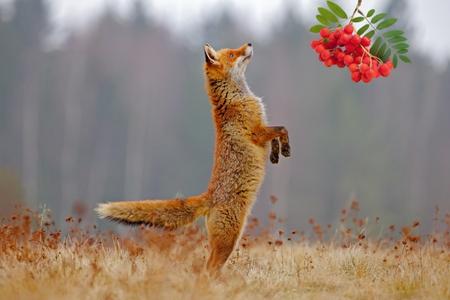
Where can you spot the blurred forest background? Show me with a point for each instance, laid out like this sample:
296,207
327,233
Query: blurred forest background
118,111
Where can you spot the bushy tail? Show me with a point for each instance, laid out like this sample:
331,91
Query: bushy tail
168,214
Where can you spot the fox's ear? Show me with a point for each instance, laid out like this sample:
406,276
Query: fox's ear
210,55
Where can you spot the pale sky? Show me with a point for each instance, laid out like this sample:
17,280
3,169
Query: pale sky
260,16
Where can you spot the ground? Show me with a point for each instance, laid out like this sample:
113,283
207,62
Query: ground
37,262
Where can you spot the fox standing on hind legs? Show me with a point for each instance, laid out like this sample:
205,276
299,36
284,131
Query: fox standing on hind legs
241,149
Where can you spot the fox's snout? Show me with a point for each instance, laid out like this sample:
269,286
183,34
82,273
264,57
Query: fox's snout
248,52
245,50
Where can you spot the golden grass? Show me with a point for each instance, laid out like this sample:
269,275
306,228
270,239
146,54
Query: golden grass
41,263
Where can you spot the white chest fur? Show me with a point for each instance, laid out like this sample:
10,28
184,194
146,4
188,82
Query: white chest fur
263,108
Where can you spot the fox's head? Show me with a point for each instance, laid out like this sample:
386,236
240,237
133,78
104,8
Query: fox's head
227,63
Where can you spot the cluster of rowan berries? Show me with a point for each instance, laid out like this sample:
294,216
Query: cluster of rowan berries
343,48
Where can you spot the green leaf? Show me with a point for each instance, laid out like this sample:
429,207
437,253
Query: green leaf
405,59
386,23
370,34
370,13
401,46
323,20
382,50
395,61
386,55
397,39
393,33
402,51
337,9
363,29
378,17
316,28
375,46
328,14
357,19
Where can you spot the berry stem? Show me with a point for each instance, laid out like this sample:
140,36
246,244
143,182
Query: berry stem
362,58
370,55
358,5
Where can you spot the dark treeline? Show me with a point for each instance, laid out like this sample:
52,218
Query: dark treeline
119,112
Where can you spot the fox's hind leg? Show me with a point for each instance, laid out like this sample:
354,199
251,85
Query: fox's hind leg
224,225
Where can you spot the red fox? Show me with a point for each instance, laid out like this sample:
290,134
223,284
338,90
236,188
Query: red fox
241,147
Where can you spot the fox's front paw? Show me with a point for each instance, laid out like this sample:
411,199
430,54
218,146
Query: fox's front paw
286,150
274,158
275,153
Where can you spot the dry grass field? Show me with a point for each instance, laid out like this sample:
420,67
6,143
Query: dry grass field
335,262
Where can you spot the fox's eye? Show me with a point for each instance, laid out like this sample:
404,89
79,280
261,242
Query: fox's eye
231,55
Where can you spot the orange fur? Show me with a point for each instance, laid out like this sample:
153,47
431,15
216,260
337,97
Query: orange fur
241,148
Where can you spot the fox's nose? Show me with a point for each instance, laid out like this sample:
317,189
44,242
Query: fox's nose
249,44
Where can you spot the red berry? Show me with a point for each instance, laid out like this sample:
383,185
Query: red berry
341,64
314,44
348,59
364,68
320,48
366,60
324,32
384,70
376,73
390,64
356,40
332,37
357,59
338,33
353,67
359,51
330,44
329,62
344,39
340,56
366,79
374,63
365,41
325,55
350,48
370,74
348,29
356,76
